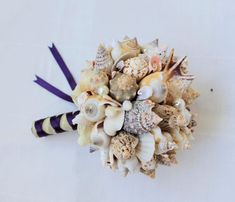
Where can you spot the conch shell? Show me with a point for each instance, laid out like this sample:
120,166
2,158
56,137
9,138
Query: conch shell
114,120
136,67
123,87
125,47
141,119
156,82
103,59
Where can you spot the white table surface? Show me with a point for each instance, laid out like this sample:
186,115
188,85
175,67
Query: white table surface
56,169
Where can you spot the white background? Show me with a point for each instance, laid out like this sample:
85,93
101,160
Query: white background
56,169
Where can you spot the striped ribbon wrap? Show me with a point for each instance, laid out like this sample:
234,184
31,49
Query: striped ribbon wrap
58,123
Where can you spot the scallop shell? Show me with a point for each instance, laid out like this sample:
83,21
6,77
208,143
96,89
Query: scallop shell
123,145
84,128
114,120
157,83
125,47
136,67
98,137
90,80
141,119
123,87
103,59
146,147
94,108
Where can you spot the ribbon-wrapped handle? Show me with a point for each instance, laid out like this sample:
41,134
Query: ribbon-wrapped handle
54,124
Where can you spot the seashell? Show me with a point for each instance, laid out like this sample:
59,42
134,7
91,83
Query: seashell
149,165
123,145
114,120
123,87
190,95
153,49
130,165
164,141
181,139
120,65
136,67
180,105
146,147
126,105
103,59
90,80
125,47
157,83
141,119
144,93
98,137
84,128
81,99
167,158
94,107
155,64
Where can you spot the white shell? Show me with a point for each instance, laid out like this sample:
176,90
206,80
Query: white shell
129,165
93,110
98,137
163,140
103,90
144,93
114,120
126,105
81,99
146,147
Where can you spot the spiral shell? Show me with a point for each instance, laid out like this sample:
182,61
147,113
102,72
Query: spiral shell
141,119
123,145
123,87
103,59
136,67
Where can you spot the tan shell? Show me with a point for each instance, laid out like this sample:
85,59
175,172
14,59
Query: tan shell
190,95
123,145
167,158
125,47
90,80
123,87
157,82
103,59
136,67
141,119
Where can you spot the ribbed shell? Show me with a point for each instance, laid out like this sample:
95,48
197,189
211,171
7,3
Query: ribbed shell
103,59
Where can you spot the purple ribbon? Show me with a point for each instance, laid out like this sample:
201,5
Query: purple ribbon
66,73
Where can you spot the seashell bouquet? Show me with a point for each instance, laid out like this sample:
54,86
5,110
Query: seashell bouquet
133,106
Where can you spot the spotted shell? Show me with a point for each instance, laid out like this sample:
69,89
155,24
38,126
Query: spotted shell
141,119
136,67
123,145
103,59
123,87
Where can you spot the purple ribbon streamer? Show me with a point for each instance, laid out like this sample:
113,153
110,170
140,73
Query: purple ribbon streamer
66,73
63,66
52,89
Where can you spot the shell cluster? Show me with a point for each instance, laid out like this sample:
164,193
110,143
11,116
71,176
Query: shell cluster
134,103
